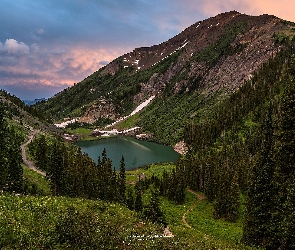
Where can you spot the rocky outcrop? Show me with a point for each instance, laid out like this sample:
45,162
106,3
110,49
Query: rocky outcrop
180,148
252,47
101,109
216,55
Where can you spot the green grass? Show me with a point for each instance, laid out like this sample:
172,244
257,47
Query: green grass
63,223
36,183
84,134
206,232
149,170
129,122
201,219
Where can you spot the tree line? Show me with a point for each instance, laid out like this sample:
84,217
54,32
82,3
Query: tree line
247,148
11,172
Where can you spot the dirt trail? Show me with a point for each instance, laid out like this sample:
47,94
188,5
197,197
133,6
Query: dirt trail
199,198
30,164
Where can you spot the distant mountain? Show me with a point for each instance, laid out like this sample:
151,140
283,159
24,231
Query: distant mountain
32,102
189,74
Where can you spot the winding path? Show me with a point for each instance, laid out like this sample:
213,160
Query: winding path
199,198
29,163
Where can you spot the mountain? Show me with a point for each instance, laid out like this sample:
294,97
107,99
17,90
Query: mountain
32,102
188,75
23,115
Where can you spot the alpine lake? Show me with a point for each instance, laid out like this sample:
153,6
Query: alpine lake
137,153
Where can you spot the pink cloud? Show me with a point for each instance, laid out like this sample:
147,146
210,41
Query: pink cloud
284,9
62,66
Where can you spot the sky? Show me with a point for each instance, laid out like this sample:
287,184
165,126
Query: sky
46,46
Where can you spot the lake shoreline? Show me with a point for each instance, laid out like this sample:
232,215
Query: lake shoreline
137,153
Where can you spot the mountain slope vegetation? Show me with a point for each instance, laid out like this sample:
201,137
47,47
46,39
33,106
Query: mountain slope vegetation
188,74
225,86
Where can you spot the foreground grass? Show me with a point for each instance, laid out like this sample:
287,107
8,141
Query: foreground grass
35,183
206,232
66,223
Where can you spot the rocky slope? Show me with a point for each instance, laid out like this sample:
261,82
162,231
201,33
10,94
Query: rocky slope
201,65
248,43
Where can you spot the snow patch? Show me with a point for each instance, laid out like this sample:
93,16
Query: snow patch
66,123
139,107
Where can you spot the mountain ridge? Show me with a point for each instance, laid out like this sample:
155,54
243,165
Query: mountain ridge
203,64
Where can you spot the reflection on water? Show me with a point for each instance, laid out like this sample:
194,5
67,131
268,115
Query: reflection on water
134,162
136,153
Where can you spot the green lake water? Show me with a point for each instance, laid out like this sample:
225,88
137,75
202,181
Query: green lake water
136,153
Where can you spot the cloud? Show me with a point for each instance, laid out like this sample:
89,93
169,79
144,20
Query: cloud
283,9
14,48
103,63
40,31
57,43
51,69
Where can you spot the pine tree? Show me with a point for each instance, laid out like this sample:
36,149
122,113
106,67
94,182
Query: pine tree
130,198
15,170
288,223
153,210
3,149
56,171
122,181
260,193
42,154
138,201
284,166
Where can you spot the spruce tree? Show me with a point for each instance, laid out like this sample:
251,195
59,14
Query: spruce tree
260,193
42,154
284,166
56,171
15,170
138,201
122,181
130,198
3,149
153,210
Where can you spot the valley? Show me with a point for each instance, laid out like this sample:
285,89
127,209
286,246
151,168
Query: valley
221,93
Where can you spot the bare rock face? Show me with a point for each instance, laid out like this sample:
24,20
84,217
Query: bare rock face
216,55
256,45
101,109
181,148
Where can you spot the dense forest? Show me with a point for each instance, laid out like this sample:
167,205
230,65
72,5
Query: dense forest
247,148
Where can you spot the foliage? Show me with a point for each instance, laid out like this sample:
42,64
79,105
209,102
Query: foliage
153,210
66,223
222,46
34,183
11,172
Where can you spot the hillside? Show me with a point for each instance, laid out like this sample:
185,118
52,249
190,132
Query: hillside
22,115
200,66
226,87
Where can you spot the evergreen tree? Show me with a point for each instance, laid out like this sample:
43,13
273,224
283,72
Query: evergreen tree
56,171
234,199
114,188
284,166
138,201
122,181
130,198
15,170
153,210
260,193
42,156
3,149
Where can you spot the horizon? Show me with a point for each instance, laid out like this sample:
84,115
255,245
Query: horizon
46,47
